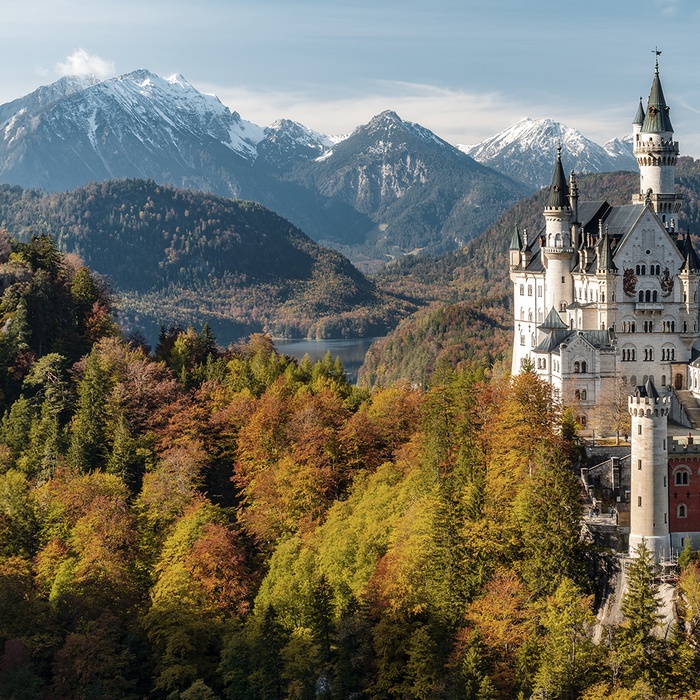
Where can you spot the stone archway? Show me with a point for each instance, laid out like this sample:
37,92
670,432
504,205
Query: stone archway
678,381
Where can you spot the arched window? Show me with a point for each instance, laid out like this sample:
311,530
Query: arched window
654,295
647,296
637,270
682,511
577,395
681,478
641,294
584,367
577,367
584,394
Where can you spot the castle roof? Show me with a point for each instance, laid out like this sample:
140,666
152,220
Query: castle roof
605,256
556,338
691,262
639,117
553,322
516,242
559,190
657,119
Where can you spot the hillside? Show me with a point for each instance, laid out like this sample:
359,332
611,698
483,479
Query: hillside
180,257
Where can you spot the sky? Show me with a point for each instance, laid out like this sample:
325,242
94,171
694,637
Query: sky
463,69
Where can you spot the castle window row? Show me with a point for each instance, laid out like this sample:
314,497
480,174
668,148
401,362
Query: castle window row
581,394
668,326
668,354
642,270
629,355
647,296
580,367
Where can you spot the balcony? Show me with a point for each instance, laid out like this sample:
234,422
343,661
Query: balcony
649,307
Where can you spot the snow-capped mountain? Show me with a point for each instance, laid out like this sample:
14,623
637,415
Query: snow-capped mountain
420,191
391,185
527,150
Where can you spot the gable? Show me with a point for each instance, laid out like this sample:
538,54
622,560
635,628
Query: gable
648,241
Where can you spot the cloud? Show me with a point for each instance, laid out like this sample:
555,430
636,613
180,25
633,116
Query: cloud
454,115
80,62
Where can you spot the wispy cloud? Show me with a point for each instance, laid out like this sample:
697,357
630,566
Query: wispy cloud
454,115
80,62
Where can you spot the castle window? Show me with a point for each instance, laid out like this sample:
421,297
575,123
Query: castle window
681,478
682,511
663,380
522,339
577,395
562,306
647,296
639,464
529,314
522,290
562,279
583,394
665,520
539,291
648,354
654,296
685,326
602,297
639,429
664,482
529,290
641,295
577,367
639,501
584,367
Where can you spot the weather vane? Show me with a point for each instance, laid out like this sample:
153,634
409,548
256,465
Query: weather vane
656,51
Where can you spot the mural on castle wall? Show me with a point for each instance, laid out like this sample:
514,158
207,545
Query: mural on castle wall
629,282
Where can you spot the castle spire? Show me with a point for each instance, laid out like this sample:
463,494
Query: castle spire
605,256
639,117
657,119
559,190
691,263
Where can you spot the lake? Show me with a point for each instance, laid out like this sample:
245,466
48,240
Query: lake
351,351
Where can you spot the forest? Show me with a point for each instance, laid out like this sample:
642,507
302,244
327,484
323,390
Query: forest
196,522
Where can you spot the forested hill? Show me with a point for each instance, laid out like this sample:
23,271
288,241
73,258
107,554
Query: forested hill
179,257
477,277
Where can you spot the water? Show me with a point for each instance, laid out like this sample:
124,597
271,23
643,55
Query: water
351,351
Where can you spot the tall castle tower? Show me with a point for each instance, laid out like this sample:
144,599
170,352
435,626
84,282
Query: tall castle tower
649,519
656,153
558,252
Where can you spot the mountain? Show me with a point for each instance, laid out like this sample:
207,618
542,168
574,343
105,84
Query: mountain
390,188
526,151
421,192
178,257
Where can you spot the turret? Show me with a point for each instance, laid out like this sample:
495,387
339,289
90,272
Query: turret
689,278
606,273
649,521
558,252
656,153
638,119
516,245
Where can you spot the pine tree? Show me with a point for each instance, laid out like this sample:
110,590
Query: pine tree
640,651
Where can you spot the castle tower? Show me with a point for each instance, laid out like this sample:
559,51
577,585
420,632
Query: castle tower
558,252
606,274
649,519
656,153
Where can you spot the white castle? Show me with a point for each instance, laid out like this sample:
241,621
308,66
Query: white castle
607,296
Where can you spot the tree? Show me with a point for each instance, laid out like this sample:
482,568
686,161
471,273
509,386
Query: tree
640,650
569,658
611,412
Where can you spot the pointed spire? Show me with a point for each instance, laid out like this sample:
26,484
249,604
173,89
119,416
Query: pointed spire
691,262
639,117
559,191
553,322
657,119
516,242
605,256
651,389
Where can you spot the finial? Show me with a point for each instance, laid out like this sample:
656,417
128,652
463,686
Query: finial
559,151
657,53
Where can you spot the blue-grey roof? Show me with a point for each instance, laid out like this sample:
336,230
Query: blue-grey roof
598,339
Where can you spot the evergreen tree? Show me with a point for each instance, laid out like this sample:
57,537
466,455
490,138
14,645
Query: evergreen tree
641,652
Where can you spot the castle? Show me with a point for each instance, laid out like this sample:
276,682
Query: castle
606,301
